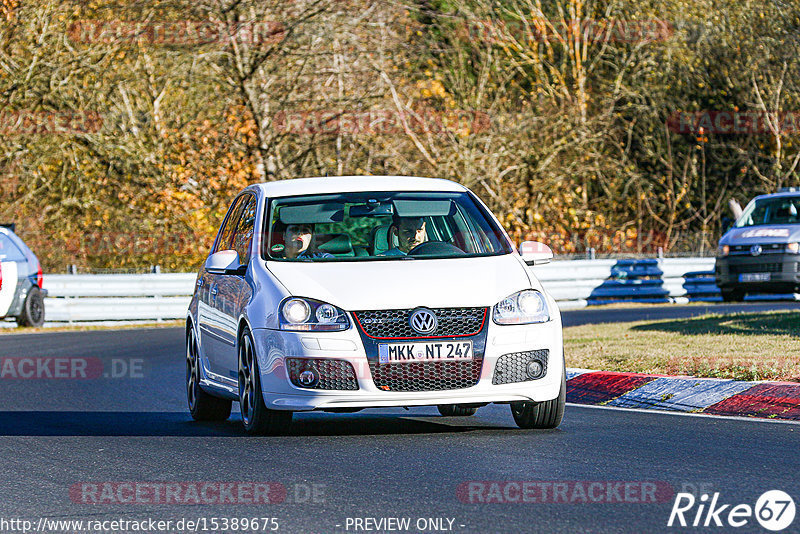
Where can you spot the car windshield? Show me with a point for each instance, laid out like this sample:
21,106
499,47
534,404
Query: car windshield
775,210
380,226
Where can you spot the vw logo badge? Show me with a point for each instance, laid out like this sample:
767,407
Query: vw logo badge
755,250
423,321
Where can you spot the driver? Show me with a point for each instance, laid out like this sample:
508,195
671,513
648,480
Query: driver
298,238
410,233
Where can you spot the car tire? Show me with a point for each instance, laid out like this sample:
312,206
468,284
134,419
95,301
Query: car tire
32,309
456,410
258,420
547,414
202,406
732,295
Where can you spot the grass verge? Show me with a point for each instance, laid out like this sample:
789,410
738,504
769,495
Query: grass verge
88,327
746,346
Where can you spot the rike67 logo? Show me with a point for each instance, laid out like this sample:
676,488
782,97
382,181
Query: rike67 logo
774,510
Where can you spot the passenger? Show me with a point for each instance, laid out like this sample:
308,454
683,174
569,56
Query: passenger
297,239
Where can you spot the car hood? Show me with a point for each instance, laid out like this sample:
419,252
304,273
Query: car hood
435,283
749,235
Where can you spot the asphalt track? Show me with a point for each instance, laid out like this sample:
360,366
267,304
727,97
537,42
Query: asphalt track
60,434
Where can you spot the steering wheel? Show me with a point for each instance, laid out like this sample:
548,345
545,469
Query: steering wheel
436,248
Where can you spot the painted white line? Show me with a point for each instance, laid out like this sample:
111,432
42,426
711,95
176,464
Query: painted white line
577,371
685,414
10,323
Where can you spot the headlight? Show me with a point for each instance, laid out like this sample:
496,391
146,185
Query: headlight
793,248
307,315
296,311
723,250
526,307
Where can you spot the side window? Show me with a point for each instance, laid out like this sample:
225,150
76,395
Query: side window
225,234
466,233
243,237
441,227
9,251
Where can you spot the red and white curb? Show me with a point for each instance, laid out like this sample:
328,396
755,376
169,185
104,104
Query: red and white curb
773,400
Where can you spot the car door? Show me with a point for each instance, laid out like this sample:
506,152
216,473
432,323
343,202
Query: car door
12,263
212,325
234,291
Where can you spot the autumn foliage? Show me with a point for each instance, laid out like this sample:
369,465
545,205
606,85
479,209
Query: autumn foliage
561,116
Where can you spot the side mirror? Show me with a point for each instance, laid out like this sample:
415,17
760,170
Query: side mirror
535,253
225,262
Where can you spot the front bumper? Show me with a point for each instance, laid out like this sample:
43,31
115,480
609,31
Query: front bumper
280,394
767,273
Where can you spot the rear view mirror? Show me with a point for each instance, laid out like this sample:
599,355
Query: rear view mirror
373,209
225,262
535,253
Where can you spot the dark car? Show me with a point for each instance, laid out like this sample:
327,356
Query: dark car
761,252
21,293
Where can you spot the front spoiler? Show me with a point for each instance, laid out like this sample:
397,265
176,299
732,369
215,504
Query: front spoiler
331,400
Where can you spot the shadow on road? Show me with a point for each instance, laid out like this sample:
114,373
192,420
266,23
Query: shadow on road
755,324
31,423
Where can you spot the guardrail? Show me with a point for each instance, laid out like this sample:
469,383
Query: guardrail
575,283
580,283
117,297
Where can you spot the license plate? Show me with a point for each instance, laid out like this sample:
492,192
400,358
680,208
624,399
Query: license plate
425,352
754,277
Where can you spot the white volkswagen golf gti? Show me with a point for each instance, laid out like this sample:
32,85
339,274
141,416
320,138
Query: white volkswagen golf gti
344,293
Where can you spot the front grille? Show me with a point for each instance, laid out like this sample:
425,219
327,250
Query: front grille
333,374
512,367
755,268
765,248
393,324
426,376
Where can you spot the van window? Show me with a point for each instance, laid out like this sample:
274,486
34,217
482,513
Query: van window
775,210
9,251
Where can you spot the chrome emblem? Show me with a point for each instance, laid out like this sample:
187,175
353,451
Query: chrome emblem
755,250
423,321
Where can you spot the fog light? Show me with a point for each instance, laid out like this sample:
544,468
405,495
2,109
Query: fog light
308,378
534,369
